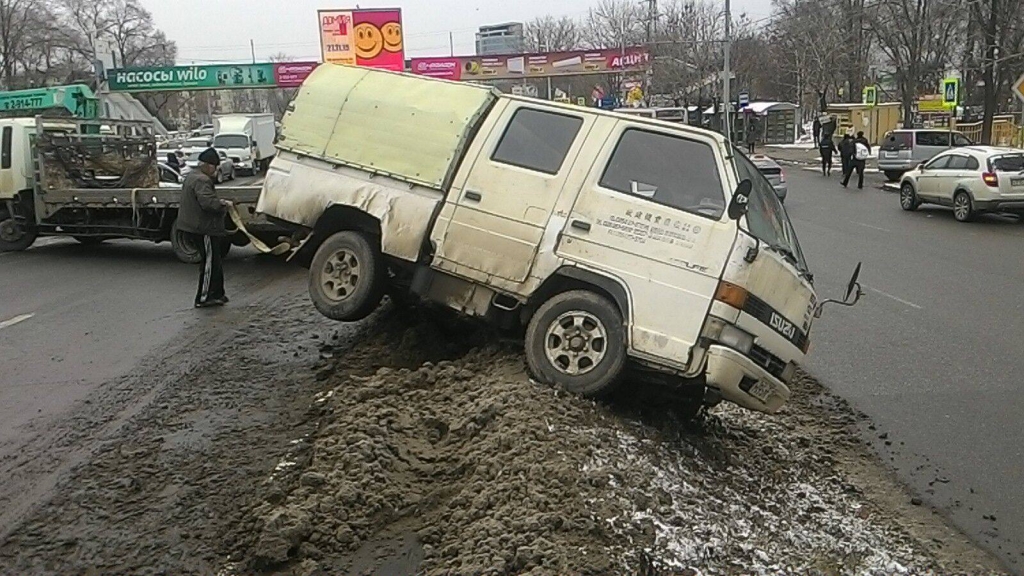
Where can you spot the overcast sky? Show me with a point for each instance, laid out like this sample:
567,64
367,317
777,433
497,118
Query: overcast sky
220,30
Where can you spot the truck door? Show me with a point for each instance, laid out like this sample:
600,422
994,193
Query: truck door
506,200
653,213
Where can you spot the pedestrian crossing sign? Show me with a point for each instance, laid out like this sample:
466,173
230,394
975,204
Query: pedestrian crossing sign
869,97
950,92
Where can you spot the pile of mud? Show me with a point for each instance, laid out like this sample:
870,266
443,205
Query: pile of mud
437,454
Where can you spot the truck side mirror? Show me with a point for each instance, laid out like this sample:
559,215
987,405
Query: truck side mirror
852,296
740,200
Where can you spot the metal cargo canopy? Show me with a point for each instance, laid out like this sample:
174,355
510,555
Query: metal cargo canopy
407,127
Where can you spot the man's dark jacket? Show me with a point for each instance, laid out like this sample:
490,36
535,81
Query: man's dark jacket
201,212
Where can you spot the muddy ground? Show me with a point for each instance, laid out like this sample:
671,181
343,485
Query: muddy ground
414,442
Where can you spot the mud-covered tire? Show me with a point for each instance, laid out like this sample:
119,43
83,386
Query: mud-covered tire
15,237
577,340
184,249
347,278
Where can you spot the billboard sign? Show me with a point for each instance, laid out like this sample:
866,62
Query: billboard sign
217,77
372,38
540,65
293,74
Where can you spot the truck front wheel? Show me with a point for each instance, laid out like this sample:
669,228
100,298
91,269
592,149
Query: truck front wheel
577,340
347,277
15,237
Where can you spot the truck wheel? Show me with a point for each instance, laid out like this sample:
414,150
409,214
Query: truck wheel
15,237
184,248
577,340
347,277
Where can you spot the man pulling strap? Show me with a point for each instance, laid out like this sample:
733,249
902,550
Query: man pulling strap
201,217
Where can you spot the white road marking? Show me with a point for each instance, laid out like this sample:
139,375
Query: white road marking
896,298
15,320
870,226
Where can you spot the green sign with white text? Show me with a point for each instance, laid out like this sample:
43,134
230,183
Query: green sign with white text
171,78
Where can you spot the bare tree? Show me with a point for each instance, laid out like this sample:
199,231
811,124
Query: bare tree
917,39
549,34
614,23
996,42
20,23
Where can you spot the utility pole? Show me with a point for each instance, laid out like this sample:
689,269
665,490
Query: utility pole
451,44
728,73
252,47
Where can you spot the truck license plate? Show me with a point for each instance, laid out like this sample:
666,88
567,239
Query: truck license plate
762,390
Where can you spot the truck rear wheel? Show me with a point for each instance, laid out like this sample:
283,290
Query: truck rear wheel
15,237
347,277
577,340
184,248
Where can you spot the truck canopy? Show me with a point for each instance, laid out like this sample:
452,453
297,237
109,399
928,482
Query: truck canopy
410,128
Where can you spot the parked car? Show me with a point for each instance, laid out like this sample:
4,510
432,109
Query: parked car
972,180
903,150
169,177
774,173
225,172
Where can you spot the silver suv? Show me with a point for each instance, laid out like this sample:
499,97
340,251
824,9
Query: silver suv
903,150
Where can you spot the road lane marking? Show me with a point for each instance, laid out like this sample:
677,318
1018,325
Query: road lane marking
896,298
870,226
15,320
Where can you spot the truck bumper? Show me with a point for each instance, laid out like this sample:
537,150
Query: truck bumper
743,382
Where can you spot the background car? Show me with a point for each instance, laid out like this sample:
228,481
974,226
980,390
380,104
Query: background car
773,172
971,180
225,172
903,150
169,177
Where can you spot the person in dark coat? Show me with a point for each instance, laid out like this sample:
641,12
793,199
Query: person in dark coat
862,150
816,131
847,149
172,161
751,136
201,216
827,147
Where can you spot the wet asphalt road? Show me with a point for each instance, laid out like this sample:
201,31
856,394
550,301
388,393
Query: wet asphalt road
934,353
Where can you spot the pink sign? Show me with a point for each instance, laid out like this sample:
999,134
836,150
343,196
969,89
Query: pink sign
293,74
446,68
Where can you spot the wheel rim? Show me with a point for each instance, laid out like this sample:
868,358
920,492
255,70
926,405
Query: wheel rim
576,342
907,197
340,275
10,231
961,206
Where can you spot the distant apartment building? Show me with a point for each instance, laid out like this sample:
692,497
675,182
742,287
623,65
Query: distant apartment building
500,39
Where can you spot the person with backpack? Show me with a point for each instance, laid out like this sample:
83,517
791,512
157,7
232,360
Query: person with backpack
860,159
827,147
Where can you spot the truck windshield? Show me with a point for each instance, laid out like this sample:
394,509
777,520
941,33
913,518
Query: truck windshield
766,217
231,141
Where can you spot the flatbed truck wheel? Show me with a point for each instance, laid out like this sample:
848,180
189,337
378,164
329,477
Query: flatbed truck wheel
15,237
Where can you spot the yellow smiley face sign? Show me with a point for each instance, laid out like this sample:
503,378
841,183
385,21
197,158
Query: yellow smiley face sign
392,32
369,41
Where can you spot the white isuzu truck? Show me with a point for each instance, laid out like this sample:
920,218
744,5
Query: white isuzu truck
248,139
613,242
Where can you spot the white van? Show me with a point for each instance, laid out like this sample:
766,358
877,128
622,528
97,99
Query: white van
611,240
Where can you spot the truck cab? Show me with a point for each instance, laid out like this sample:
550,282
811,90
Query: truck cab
248,139
612,241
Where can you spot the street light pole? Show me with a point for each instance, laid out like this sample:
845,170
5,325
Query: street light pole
725,87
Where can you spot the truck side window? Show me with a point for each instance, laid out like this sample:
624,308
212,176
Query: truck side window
5,156
537,140
668,170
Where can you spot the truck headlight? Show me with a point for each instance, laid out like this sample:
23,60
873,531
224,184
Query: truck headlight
736,339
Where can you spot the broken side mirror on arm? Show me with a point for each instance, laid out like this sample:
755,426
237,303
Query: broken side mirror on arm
852,296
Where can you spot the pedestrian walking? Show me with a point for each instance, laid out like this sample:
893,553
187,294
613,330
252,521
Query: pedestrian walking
816,131
847,150
201,216
861,153
827,147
